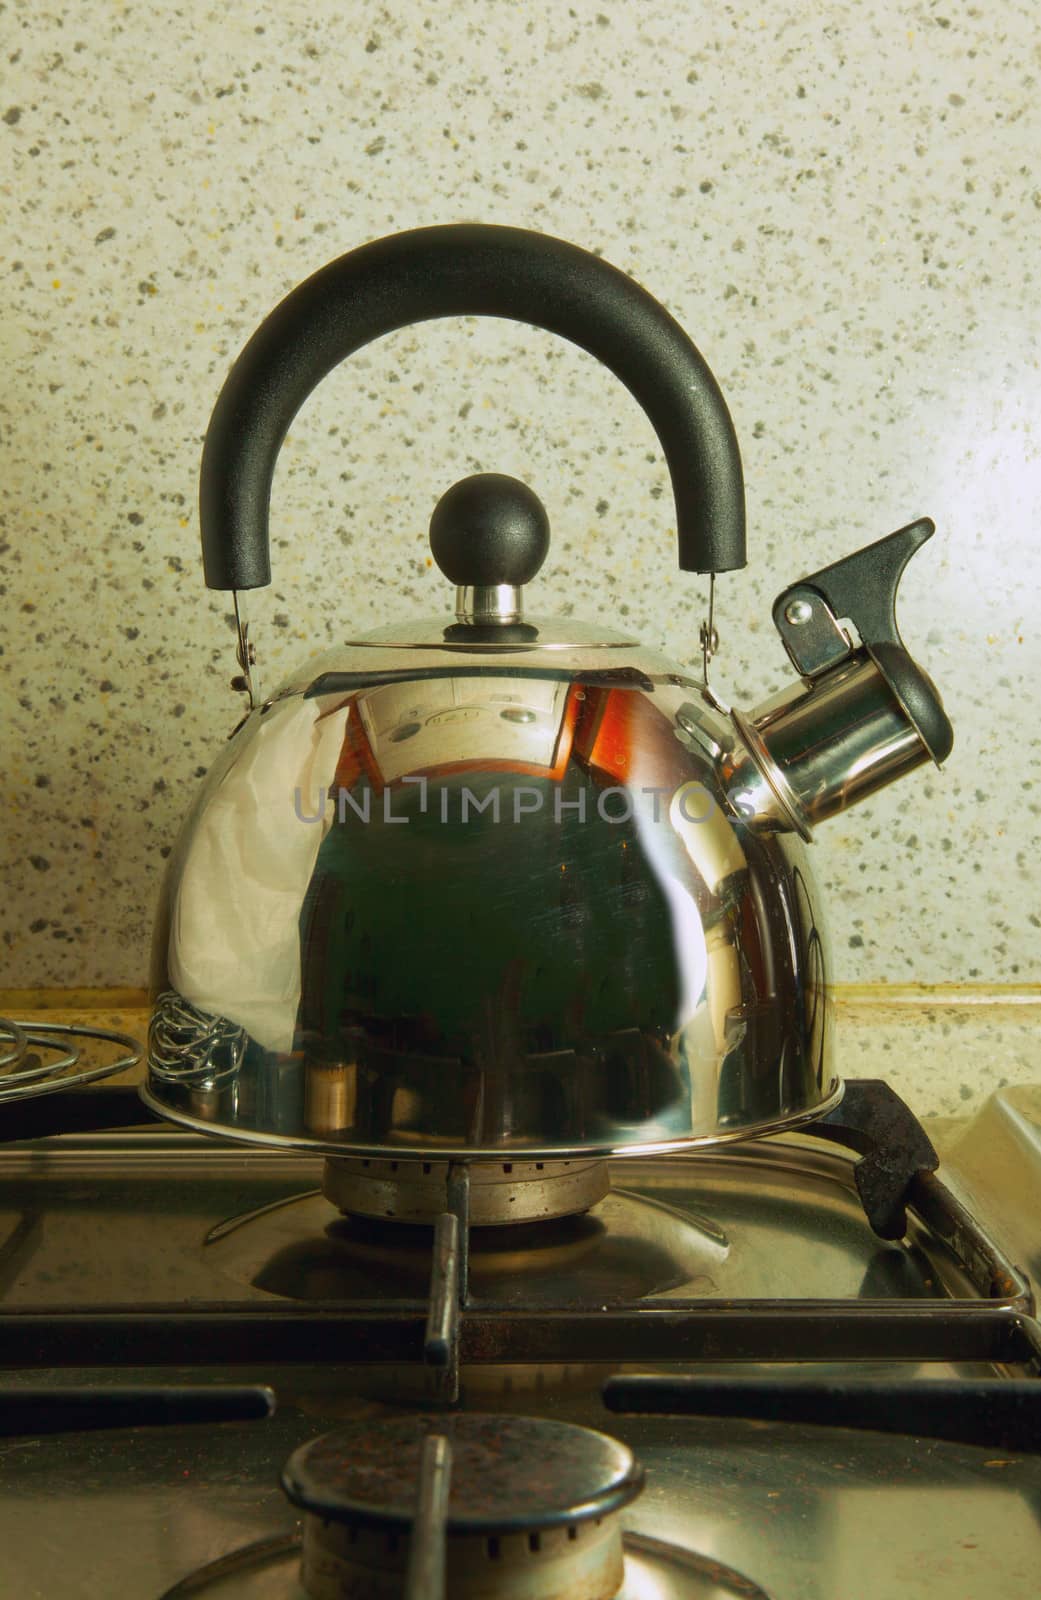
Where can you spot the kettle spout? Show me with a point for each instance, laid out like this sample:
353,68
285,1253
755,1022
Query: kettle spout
862,714
822,745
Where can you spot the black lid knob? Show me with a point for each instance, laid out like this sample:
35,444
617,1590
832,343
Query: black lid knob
488,530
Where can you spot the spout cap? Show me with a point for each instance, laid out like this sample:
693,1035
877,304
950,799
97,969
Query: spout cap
917,694
862,587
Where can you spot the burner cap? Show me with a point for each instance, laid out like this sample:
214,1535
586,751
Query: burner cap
509,1474
500,1192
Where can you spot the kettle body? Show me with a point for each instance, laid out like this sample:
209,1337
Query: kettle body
463,900
482,887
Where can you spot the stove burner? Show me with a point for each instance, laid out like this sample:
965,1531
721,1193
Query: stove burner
626,1248
529,1506
269,1570
500,1192
24,1073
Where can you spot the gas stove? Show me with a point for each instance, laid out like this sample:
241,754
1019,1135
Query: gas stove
801,1366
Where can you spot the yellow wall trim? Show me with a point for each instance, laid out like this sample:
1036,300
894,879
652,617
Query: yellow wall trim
937,994
15,1001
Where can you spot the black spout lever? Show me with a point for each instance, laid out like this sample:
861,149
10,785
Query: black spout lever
861,588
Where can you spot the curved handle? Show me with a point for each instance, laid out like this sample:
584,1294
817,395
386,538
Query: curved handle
466,270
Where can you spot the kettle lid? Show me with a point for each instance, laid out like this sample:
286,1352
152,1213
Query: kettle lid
489,535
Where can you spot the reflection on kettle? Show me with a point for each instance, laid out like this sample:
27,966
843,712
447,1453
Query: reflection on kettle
501,908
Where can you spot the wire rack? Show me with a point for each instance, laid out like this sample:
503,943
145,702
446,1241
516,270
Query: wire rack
46,1057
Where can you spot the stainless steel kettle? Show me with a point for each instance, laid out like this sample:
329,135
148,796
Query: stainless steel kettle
499,889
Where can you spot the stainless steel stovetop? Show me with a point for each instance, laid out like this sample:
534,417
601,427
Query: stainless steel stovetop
149,1255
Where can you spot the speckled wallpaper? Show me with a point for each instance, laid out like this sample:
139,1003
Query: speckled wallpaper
840,203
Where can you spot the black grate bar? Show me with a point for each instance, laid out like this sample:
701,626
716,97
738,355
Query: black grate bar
697,1332
1001,1413
33,1411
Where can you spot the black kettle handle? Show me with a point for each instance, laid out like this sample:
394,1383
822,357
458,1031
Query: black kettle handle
466,270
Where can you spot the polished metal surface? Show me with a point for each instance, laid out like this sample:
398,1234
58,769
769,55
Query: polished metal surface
504,1192
993,1163
489,602
490,888
425,1573
13,1043
798,612
441,1335
21,1067
245,653
146,1220
556,635
26,1074
628,1246
149,1220
818,642
485,908
825,744
760,787
708,633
